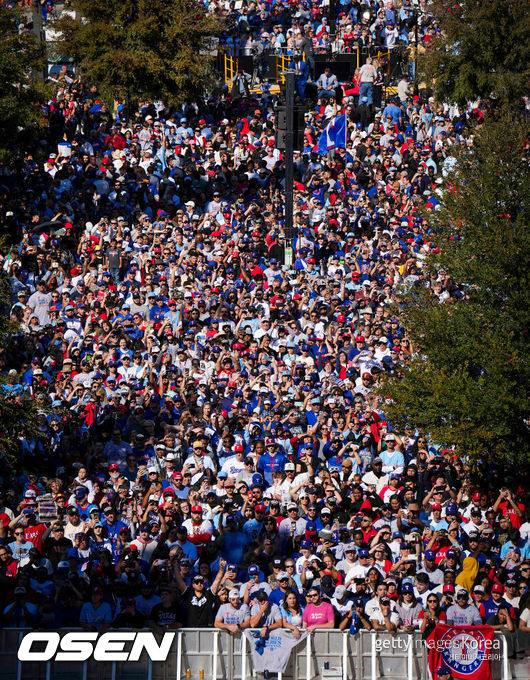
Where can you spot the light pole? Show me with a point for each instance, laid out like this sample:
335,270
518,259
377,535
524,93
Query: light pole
38,32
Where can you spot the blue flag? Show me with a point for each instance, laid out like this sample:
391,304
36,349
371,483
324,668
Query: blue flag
334,135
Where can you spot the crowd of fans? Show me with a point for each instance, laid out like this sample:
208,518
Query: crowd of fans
289,28
211,449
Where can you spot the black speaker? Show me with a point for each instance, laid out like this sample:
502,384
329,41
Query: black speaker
280,139
298,127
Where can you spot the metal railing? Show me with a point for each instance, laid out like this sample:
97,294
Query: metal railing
368,655
230,67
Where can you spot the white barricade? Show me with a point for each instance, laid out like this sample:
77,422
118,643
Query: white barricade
330,654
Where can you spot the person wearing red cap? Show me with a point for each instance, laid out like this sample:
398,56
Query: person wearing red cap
253,526
490,606
199,531
96,614
436,520
235,464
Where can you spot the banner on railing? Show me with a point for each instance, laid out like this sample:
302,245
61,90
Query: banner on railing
272,653
466,650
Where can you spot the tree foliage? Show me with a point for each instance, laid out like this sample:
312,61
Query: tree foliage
17,414
483,50
133,49
468,384
21,63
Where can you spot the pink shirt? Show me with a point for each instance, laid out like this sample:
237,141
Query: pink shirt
318,616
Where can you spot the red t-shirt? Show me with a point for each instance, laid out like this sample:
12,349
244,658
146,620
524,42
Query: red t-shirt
507,509
34,534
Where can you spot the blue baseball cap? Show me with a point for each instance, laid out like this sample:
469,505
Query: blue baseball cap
451,509
430,555
364,553
306,544
407,588
253,570
257,480
443,670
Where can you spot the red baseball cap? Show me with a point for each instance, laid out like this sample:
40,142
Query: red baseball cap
177,475
477,496
239,447
114,466
359,338
260,508
449,588
436,506
196,508
497,588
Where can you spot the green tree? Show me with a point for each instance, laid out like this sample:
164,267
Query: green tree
482,50
18,414
468,383
133,49
21,65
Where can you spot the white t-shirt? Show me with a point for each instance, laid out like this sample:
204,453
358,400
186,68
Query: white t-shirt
358,571
368,73
525,617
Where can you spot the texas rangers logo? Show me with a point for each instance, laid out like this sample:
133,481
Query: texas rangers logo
463,651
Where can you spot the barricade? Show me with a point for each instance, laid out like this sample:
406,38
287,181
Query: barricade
365,656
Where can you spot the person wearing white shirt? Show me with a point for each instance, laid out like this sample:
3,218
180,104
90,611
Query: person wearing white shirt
236,463
292,523
360,569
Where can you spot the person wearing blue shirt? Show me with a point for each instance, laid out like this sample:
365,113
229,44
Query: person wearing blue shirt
82,504
393,459
159,311
252,527
271,461
187,547
232,543
277,595
393,110
312,412
114,526
302,76
96,614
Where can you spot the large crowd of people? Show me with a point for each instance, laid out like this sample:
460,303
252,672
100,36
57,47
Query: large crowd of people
211,448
